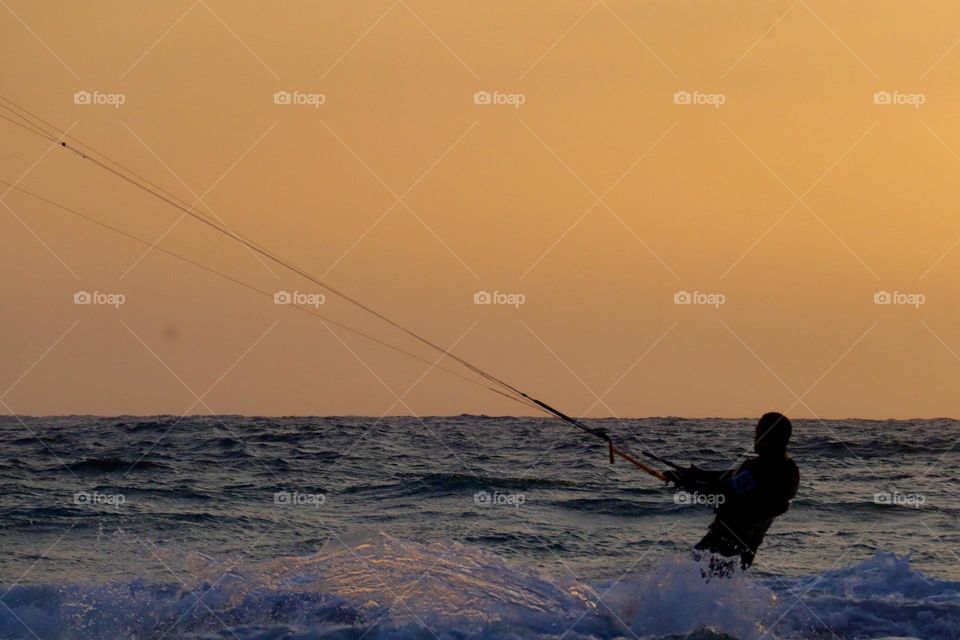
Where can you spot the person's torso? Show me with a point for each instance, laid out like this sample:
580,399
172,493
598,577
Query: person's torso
762,490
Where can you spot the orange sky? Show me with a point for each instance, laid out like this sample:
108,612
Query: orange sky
785,188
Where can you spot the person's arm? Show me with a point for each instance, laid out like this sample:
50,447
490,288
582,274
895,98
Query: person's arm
696,479
704,476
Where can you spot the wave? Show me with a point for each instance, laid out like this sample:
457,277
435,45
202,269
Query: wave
110,465
856,445
446,483
385,588
611,506
881,596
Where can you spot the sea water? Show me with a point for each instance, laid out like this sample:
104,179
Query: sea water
460,527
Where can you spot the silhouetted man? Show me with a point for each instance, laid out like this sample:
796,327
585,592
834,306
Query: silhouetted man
753,495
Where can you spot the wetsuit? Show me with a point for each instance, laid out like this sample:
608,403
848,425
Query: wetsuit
757,492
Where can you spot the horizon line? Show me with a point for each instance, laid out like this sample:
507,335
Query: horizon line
458,415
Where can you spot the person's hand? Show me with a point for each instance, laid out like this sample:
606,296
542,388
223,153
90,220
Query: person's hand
675,476
683,478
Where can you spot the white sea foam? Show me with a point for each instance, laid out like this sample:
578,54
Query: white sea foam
407,589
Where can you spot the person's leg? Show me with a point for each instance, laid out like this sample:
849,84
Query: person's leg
722,556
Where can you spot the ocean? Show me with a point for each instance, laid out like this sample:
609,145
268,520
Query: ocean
461,527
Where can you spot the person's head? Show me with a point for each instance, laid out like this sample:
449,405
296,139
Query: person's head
772,434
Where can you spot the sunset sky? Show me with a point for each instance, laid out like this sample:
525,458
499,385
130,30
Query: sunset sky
787,195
